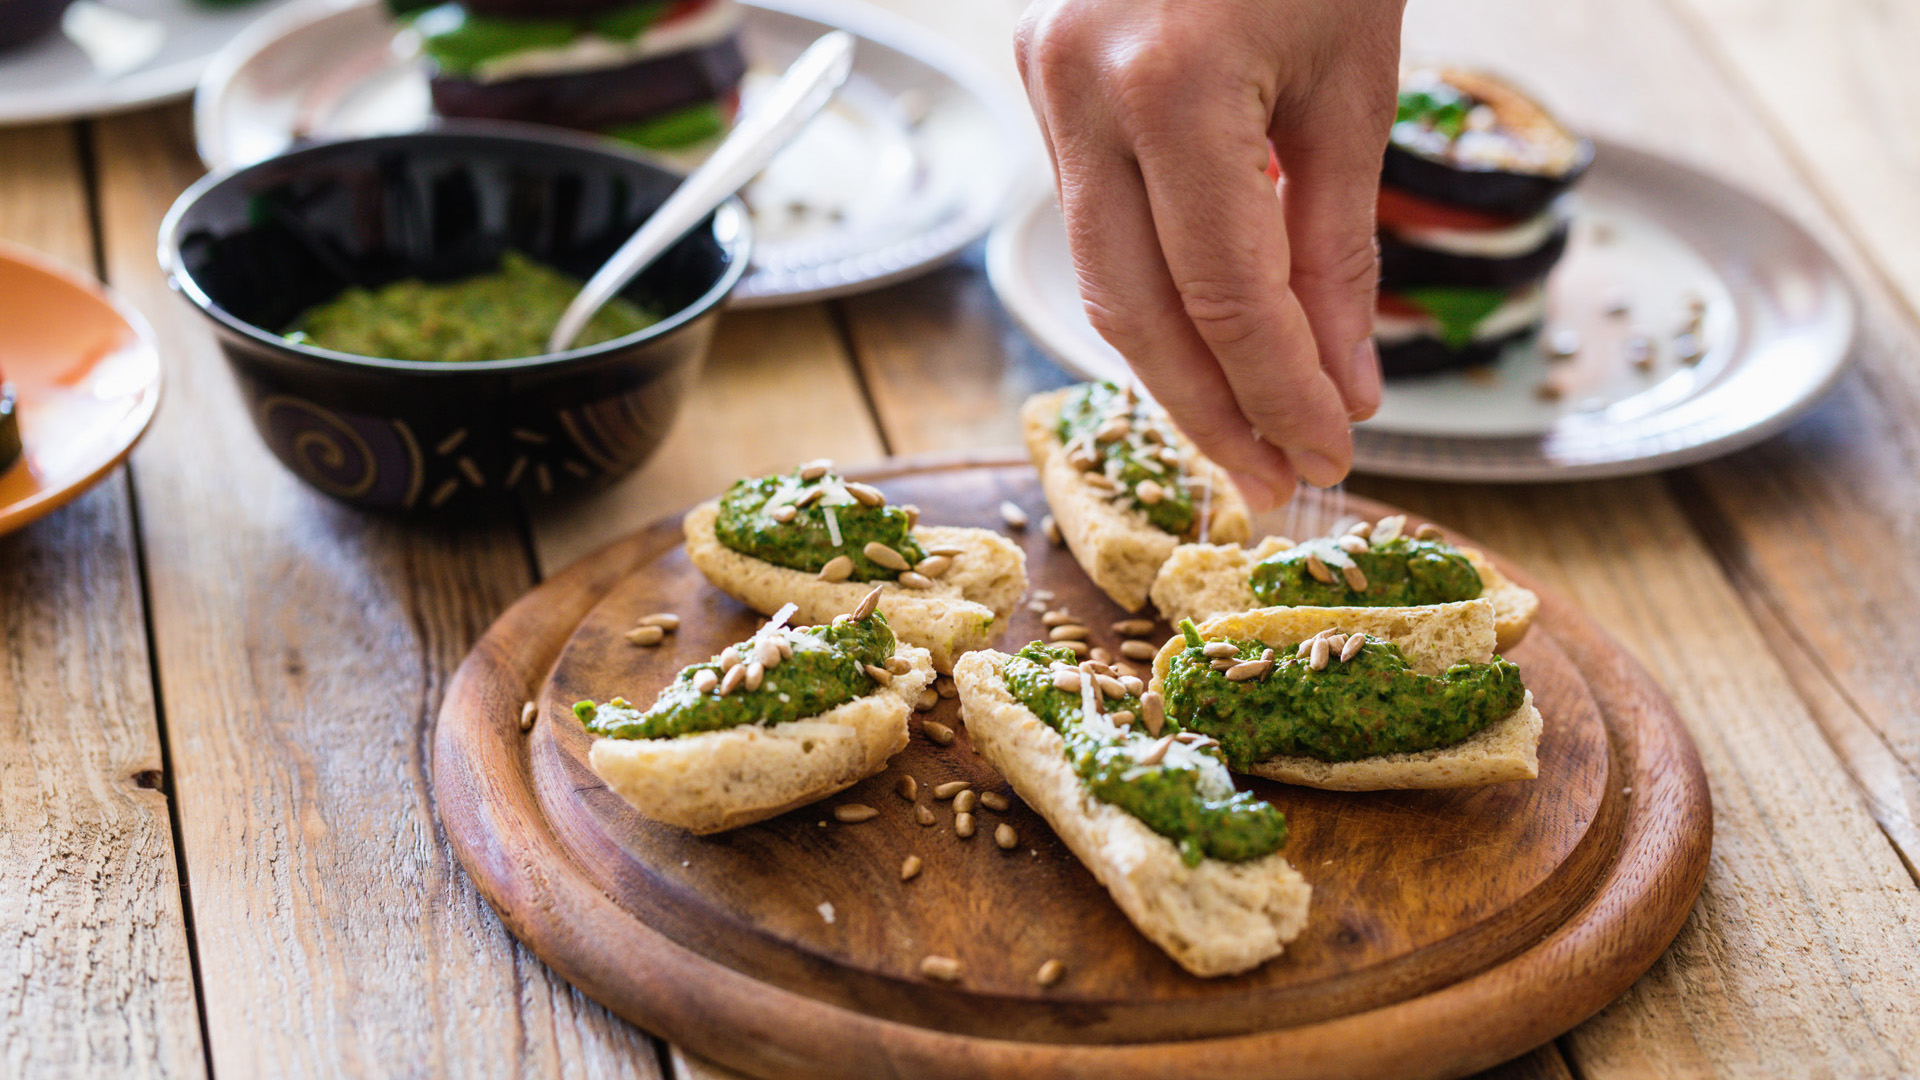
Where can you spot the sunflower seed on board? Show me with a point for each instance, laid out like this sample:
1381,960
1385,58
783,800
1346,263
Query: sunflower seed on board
867,494
1387,529
923,816
944,686
868,603
1079,649
646,635
915,580
907,787
933,565
1052,529
1321,650
665,620
705,680
882,555
1056,617
1004,836
1355,642
1134,649
937,732
1356,578
1015,517
1133,628
528,711
1153,711
965,801
839,568
1068,632
1217,649
951,788
854,813
1050,973
910,868
993,800
929,697
963,825
1318,569
943,968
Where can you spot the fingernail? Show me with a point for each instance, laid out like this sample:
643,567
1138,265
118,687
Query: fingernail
1316,468
1366,379
1260,495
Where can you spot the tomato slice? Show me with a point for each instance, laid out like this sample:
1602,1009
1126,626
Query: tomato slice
1397,208
1389,304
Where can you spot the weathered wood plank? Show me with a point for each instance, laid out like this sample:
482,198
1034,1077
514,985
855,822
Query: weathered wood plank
778,389
98,979
302,648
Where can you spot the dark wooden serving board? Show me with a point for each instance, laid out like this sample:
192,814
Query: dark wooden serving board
1448,931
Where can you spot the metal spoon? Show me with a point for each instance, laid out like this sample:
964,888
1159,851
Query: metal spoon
773,122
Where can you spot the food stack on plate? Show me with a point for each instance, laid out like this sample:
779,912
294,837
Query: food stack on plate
664,74
1471,219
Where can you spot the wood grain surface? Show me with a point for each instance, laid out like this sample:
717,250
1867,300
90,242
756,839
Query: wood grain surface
1417,894
298,650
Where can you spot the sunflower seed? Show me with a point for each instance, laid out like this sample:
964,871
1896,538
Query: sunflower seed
1251,669
1149,492
1335,642
1068,632
913,580
944,968
898,665
1110,686
1317,659
867,604
867,494
735,676
1352,544
951,788
1079,649
937,732
646,635
1125,671
528,710
923,815
1387,529
756,674
1052,529
1318,569
1121,719
810,498
880,675
1068,680
784,514
1050,973
949,550
815,469
910,868
993,800
906,787
729,657
854,813
1133,628
1222,663
913,514
1056,617
1116,428
1429,531
1153,711
1218,649
665,620
944,686
705,680
1132,684
1004,835
838,568
1134,649
1102,482
965,801
933,565
1356,578
1015,517
1355,643
1358,528
927,700
882,555
1159,752
963,825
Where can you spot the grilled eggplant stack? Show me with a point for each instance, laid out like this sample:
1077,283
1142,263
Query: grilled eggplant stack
663,74
1470,219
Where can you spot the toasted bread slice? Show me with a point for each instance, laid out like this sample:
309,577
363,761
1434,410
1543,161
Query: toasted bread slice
1201,581
1116,545
718,780
1433,638
961,612
1216,918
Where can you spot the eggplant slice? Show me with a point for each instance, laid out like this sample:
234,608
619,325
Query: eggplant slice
1430,355
597,100
1518,188
1405,265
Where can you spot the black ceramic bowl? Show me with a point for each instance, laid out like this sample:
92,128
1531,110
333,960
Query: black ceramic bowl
254,248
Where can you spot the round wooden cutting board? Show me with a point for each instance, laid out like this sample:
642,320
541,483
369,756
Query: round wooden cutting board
1449,930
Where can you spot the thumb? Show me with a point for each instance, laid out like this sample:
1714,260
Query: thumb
1331,160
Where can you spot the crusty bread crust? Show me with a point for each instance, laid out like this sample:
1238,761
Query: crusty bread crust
961,612
1434,638
1116,545
718,780
1200,581
1217,918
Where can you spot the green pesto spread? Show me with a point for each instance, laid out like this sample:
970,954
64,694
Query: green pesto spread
1403,572
827,668
1187,797
496,316
1374,703
747,524
1134,457
464,43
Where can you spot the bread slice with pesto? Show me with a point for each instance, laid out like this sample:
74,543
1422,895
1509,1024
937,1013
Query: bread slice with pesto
723,777
945,589
1211,915
1432,639
1124,486
1200,581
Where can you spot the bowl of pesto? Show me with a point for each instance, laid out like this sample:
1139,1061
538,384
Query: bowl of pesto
384,304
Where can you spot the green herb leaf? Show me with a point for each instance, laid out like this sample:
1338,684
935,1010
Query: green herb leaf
1459,311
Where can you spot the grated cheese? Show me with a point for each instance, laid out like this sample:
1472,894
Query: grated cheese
833,524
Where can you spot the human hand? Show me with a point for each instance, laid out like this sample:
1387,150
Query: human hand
1248,317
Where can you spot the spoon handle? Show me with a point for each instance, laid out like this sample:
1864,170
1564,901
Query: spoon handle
772,122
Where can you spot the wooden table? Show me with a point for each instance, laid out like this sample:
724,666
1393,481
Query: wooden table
217,687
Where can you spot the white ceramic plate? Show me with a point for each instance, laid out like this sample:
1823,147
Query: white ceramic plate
911,163
112,55
1776,321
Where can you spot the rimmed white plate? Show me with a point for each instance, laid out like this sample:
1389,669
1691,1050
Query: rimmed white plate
911,163
119,54
1776,321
